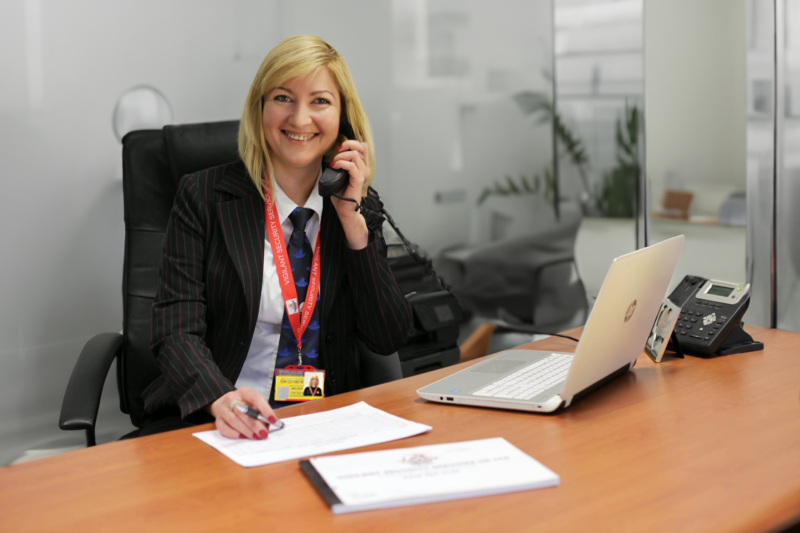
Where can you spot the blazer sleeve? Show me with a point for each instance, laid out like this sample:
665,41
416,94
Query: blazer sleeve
179,308
384,320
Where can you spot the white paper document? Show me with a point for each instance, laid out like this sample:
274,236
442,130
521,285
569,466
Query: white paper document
392,478
306,435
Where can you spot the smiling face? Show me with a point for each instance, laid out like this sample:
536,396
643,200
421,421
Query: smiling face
301,122
313,382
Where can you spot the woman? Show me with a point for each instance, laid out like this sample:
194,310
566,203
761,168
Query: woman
313,388
225,317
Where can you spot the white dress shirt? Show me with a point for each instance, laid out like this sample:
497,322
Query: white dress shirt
258,370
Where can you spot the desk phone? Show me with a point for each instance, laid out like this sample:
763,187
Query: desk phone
711,317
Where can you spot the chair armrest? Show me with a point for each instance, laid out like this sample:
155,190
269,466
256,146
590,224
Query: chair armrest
82,397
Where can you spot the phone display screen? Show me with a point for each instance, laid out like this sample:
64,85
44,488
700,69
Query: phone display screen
719,290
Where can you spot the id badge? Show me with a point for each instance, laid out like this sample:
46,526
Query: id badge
297,383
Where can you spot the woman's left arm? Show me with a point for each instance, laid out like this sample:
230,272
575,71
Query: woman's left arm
383,317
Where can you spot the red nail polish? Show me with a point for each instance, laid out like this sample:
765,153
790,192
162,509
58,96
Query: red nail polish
272,420
242,436
331,164
339,148
263,434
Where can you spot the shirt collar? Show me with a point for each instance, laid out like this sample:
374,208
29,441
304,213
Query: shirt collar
285,205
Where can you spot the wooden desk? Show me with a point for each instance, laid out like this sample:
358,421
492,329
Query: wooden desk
692,445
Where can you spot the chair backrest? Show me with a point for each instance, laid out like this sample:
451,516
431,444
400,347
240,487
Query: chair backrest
529,277
153,162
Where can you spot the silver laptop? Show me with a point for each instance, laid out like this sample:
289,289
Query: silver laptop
614,336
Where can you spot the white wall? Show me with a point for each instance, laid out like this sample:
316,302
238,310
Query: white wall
695,98
63,65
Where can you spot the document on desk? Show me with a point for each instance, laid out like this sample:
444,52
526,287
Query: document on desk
409,476
306,435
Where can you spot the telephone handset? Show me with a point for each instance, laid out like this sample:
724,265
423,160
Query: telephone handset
710,321
334,180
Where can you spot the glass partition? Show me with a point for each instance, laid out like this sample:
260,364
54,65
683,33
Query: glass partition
516,130
460,140
788,160
599,85
695,95
760,28
472,154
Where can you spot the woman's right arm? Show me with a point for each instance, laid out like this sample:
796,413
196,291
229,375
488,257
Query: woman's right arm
178,319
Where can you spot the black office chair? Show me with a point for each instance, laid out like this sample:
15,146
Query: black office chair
525,284
154,161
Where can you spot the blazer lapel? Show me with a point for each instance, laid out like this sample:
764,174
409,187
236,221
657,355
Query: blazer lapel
242,222
333,262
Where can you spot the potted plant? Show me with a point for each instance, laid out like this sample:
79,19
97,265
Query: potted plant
614,196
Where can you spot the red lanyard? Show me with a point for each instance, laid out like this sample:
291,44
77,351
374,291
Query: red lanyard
298,317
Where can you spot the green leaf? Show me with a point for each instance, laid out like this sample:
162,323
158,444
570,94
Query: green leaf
512,186
525,185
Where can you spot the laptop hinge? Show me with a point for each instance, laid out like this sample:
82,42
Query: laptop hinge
611,377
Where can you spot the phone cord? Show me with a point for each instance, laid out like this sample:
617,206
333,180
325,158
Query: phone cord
425,263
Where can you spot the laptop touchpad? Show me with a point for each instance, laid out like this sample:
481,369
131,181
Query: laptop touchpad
497,367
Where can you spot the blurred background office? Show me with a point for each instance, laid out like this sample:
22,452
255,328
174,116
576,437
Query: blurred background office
504,129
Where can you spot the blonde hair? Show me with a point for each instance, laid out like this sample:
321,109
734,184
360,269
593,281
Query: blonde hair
298,56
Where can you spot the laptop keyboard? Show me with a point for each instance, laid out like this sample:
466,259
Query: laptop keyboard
531,380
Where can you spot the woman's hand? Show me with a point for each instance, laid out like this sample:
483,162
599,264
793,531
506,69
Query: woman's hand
235,425
353,157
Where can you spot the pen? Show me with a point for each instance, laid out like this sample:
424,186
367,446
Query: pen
252,413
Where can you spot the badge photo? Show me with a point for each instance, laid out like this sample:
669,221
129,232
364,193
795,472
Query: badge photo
314,382
659,337
297,383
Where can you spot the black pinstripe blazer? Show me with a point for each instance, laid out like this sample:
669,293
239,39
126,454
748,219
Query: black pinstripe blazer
209,292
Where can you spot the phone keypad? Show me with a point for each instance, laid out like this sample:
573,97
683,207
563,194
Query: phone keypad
699,320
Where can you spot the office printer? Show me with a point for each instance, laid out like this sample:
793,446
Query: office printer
437,314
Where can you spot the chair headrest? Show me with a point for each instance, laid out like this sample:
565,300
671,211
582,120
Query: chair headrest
193,147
